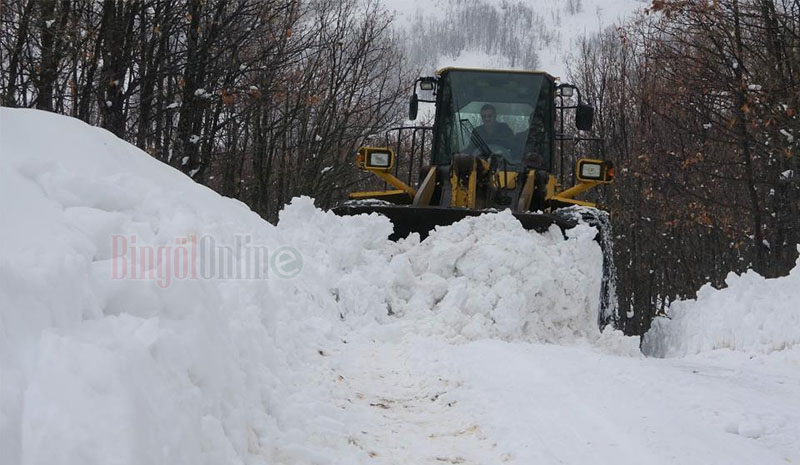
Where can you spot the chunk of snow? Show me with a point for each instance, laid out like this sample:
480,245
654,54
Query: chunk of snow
199,92
750,429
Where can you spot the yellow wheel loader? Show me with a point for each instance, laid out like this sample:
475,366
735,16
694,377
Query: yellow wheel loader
492,146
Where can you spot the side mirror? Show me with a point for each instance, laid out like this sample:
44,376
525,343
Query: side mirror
413,106
584,117
427,83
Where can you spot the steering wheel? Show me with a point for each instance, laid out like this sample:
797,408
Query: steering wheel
503,152
494,149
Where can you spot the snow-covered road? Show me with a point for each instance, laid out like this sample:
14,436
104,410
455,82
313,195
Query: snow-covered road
407,412
424,401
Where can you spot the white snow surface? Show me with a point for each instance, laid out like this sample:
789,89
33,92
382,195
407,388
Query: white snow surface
478,345
751,314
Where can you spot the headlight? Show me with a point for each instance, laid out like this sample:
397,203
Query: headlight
375,158
594,170
379,159
591,171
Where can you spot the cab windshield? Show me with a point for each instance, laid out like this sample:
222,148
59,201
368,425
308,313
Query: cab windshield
495,114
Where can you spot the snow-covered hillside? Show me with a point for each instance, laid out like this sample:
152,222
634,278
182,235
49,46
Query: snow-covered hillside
520,34
146,320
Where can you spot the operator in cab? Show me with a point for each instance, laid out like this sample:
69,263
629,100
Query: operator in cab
491,132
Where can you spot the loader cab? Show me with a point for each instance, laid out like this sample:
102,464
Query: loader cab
523,102
492,145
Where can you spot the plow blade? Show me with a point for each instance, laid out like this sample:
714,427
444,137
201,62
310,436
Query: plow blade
422,220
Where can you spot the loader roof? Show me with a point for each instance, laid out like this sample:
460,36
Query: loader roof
499,71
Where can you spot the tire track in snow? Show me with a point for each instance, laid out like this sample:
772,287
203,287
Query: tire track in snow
405,412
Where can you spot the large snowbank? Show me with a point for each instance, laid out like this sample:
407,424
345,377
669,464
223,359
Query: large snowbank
752,314
216,370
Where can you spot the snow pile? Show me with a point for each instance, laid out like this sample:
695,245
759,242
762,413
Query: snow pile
483,277
102,370
106,360
486,277
752,314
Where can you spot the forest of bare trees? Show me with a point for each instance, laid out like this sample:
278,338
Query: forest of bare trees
261,100
697,102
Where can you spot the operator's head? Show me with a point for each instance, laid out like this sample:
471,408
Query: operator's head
488,115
